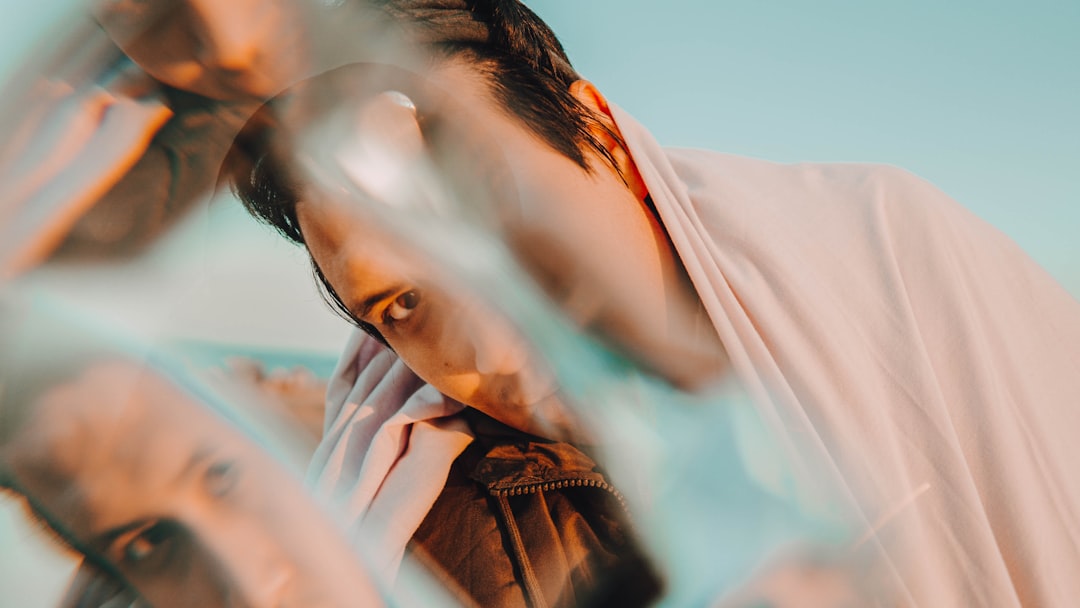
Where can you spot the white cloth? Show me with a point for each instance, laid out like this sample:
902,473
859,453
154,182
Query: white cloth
914,350
387,447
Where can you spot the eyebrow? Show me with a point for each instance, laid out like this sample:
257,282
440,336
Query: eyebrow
200,455
101,541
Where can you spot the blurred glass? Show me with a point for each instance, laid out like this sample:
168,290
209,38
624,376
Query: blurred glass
114,141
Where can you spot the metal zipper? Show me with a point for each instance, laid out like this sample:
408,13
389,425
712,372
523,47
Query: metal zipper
545,486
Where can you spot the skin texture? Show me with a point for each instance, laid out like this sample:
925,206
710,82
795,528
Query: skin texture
236,50
190,512
591,238
588,238
450,338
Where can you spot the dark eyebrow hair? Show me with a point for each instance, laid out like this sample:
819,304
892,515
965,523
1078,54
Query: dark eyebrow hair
37,511
339,307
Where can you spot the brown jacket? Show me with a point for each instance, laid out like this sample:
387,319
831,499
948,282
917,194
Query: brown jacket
527,522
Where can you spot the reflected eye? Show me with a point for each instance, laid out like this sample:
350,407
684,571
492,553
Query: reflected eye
402,307
220,478
151,547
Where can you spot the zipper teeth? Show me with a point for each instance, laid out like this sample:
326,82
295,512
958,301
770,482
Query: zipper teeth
545,486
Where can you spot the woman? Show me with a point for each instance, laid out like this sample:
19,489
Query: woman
132,463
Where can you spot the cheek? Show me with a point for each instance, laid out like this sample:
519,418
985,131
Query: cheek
447,367
195,591
440,350
194,584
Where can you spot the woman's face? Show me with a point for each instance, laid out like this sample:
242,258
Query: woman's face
188,510
235,49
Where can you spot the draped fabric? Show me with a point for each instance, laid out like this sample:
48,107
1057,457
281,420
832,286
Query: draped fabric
910,346
387,447
906,348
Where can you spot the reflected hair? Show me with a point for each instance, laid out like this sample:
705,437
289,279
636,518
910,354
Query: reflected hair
260,168
522,58
271,197
516,52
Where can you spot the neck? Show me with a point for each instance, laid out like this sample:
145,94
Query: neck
688,350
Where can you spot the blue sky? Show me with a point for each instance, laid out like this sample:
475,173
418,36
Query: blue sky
981,98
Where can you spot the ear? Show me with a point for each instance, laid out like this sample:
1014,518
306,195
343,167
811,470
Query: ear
607,133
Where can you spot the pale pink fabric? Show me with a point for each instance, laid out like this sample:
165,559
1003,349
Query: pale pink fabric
910,345
386,451
894,338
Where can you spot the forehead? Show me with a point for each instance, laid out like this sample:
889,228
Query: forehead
359,213
347,242
381,103
390,143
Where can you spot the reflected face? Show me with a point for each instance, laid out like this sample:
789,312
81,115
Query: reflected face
240,49
190,512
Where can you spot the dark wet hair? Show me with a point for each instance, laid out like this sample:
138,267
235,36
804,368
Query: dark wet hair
523,59
517,53
260,166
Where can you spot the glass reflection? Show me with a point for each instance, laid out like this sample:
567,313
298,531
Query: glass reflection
132,467
583,369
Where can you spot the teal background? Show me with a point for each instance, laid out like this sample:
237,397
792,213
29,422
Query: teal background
981,98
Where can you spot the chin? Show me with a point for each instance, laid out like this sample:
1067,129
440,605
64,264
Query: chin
555,419
547,417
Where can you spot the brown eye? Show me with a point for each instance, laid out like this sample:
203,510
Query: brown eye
151,547
402,306
138,550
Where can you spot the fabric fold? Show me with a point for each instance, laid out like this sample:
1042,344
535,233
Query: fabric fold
922,366
903,345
